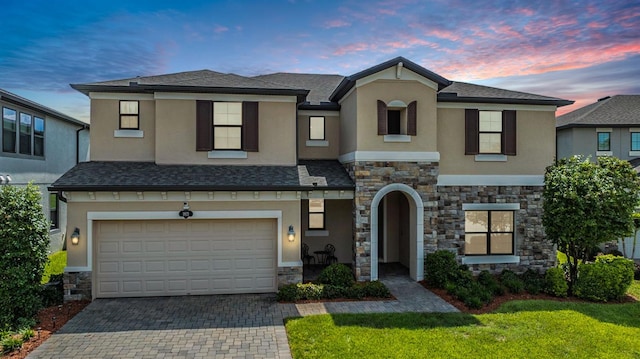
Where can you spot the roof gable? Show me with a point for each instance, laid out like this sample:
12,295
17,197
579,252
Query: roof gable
617,110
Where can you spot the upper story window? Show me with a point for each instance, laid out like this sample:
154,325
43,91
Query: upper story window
9,119
316,128
396,118
226,126
604,141
22,133
316,214
129,115
490,132
488,232
635,141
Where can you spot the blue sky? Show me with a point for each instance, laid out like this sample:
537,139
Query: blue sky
578,50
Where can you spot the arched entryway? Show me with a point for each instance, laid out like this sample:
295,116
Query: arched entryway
397,219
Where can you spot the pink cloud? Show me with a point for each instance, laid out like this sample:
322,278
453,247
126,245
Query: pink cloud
524,11
335,23
353,48
596,25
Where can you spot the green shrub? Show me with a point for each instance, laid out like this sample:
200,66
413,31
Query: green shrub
473,302
376,289
337,274
490,282
288,293
606,279
555,282
24,239
470,293
511,281
26,334
310,291
462,276
534,281
10,344
440,267
356,291
53,292
333,292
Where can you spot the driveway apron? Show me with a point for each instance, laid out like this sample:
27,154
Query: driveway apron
220,326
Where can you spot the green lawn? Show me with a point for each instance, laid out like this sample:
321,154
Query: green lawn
56,264
519,329
635,289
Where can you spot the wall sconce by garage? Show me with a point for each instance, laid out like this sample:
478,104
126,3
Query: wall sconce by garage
291,234
5,179
186,212
75,236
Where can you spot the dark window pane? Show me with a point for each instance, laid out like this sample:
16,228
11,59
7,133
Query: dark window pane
53,210
25,133
635,141
604,141
38,136
9,130
393,120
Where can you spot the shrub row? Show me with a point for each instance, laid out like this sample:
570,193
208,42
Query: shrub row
608,278
312,291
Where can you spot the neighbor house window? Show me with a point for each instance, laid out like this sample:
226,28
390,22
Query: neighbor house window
227,125
635,141
129,115
604,141
316,214
488,232
316,128
9,118
38,136
26,126
490,132
54,214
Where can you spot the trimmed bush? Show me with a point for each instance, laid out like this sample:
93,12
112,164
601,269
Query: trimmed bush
312,291
511,281
490,282
376,289
24,239
606,279
534,282
337,274
474,295
440,268
288,293
556,283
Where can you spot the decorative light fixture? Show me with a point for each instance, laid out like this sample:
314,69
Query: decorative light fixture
5,179
291,233
75,236
186,212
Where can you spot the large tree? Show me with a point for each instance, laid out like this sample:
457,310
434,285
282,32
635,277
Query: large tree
588,203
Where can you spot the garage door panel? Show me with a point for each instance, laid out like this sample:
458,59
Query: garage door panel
185,257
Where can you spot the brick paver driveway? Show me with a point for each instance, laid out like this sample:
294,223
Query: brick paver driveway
220,326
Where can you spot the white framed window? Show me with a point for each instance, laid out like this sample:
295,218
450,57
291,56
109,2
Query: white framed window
489,232
490,132
316,213
129,115
227,125
316,128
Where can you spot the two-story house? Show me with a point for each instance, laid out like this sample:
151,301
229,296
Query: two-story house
608,127
203,182
38,145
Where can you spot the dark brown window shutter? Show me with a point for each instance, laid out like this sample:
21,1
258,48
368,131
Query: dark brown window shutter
509,132
471,119
204,125
382,118
250,126
412,118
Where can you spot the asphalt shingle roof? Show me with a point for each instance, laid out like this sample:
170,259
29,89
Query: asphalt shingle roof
140,176
470,91
617,110
321,85
11,97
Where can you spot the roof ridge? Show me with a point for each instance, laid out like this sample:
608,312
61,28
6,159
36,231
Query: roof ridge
596,105
499,88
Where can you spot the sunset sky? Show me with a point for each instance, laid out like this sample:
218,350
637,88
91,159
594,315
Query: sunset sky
577,50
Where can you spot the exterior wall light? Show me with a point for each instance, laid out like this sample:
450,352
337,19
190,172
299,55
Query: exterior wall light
5,179
186,212
75,236
291,233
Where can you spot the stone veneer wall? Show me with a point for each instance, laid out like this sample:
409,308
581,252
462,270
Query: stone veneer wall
534,250
369,178
77,286
289,275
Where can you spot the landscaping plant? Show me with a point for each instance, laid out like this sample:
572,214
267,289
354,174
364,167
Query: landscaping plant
337,274
24,239
588,203
606,279
439,268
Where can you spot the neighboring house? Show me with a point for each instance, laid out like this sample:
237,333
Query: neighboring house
608,127
203,182
38,145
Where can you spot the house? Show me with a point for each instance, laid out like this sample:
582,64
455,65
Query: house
608,127
203,182
40,144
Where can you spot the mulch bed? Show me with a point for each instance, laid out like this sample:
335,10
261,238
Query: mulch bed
499,300
47,325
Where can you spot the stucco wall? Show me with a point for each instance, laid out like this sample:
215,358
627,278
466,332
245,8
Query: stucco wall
535,145
331,134
584,141
348,123
339,226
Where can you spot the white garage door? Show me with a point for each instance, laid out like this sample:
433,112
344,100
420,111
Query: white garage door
184,257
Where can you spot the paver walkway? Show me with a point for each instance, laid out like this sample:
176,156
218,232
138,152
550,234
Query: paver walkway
220,326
